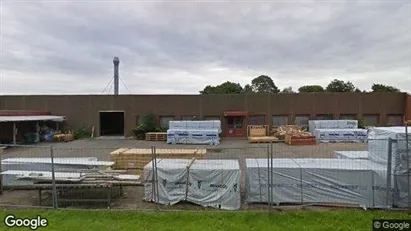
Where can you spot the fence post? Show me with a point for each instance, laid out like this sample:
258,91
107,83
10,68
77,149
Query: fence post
54,190
389,167
272,171
154,178
408,164
157,190
268,179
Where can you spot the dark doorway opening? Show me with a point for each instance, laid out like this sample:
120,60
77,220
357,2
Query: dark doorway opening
111,123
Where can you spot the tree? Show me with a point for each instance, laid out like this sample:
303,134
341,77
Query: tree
383,88
248,89
264,84
224,88
287,90
311,88
340,86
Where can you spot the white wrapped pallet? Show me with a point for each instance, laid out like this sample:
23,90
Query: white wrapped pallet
378,147
318,181
340,135
378,142
193,136
211,183
196,125
329,124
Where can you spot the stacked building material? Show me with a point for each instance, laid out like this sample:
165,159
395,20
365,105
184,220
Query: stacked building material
292,130
15,166
294,135
156,136
337,131
259,134
317,181
378,154
134,160
209,183
194,132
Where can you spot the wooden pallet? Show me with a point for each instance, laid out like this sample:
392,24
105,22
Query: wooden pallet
136,159
156,136
263,139
300,140
257,130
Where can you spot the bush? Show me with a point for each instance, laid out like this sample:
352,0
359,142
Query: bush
148,124
361,124
81,133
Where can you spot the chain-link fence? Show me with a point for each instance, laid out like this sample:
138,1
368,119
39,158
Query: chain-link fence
370,174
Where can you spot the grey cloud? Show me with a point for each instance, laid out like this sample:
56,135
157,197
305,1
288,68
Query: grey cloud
287,40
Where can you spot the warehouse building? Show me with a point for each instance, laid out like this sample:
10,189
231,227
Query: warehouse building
117,115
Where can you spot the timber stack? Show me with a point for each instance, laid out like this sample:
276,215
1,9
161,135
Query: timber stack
133,160
294,135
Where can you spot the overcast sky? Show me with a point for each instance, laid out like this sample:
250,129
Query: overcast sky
67,47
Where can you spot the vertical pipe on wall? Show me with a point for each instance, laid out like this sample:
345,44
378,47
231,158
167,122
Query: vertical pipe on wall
14,133
116,62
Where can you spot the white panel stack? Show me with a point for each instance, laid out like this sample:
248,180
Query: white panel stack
362,155
340,135
211,183
194,132
67,164
196,124
329,124
322,181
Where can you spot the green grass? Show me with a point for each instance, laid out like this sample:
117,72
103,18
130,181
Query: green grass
72,220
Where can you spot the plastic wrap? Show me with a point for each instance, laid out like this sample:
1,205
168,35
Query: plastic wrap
318,181
340,135
193,136
329,124
196,125
209,183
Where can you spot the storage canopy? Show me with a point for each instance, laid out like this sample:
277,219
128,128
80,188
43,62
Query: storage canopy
31,118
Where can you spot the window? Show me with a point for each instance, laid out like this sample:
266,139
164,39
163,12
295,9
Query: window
394,120
164,121
370,120
302,120
189,117
257,120
212,118
324,117
280,120
235,122
348,117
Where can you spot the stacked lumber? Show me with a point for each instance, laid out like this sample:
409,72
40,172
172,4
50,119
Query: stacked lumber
294,135
259,134
133,160
60,137
293,130
156,136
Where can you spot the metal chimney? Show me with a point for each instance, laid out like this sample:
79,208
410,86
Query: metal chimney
116,62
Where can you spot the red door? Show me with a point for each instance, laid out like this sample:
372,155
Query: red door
235,126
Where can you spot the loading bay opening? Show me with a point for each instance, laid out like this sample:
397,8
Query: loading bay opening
112,123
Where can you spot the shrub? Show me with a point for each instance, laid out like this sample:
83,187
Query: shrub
81,133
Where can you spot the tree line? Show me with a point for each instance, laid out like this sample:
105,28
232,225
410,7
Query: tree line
265,84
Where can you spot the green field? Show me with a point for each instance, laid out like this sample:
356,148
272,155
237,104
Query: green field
127,220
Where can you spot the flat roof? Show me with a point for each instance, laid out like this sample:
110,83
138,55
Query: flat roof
31,118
